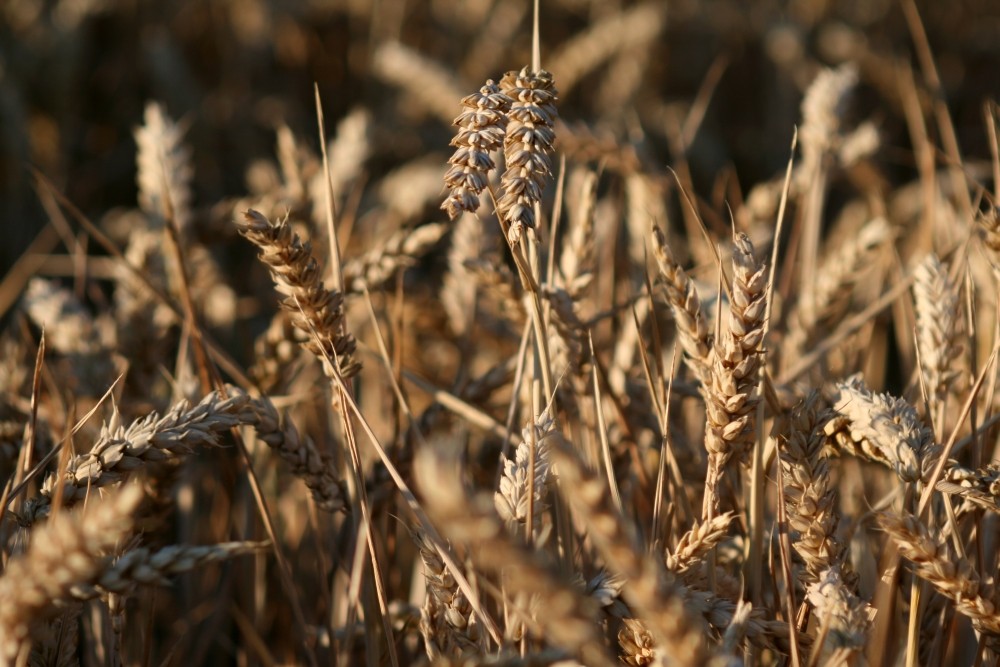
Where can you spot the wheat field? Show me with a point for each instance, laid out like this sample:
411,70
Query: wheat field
499,333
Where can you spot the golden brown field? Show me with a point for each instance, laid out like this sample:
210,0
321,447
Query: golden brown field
374,332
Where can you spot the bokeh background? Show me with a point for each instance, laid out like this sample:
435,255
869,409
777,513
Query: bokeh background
75,76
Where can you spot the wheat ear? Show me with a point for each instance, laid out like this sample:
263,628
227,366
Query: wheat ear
144,567
953,576
730,403
692,327
648,588
482,125
882,428
164,170
939,320
315,309
810,499
527,145
66,551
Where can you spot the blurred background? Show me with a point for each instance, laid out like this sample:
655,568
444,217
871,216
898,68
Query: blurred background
75,76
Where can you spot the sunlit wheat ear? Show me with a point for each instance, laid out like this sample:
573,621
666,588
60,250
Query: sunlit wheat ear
143,566
810,499
938,324
692,326
844,614
315,309
447,622
164,168
822,112
695,544
730,402
511,500
481,131
527,145
952,575
882,428
66,551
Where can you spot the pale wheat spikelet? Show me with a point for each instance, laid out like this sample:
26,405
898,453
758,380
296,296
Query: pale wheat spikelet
566,618
402,249
730,403
66,551
121,450
84,341
762,629
980,487
697,542
939,321
430,84
447,622
315,309
606,588
733,637
882,428
951,575
822,112
837,608
649,589
145,567
481,132
527,144
619,31
810,499
822,307
511,500
164,170
692,327
636,643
